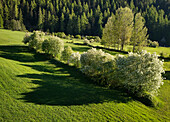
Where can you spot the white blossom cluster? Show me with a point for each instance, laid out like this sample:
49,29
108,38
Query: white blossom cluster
140,72
86,41
75,59
93,63
35,40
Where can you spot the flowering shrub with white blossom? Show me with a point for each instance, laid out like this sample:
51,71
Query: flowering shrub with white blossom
35,40
26,38
86,41
140,72
93,63
75,59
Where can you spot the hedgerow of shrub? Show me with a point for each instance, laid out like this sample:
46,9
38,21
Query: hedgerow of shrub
139,73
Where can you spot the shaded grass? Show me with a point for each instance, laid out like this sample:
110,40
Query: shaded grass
64,87
20,53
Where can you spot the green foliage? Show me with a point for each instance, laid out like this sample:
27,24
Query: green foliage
17,25
1,22
46,46
78,36
139,34
119,28
83,17
36,41
153,44
55,46
66,53
97,39
27,38
60,34
151,100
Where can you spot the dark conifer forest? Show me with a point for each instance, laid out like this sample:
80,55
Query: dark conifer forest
81,17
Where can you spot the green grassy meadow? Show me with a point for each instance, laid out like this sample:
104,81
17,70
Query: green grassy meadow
33,88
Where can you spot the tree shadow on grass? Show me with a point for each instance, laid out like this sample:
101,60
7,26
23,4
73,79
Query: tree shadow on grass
20,53
68,86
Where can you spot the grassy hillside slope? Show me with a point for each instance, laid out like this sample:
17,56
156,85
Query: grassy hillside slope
33,88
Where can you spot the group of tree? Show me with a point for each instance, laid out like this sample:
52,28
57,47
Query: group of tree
140,74
125,28
84,17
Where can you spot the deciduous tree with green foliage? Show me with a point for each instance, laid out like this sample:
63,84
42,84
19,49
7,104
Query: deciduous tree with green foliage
139,34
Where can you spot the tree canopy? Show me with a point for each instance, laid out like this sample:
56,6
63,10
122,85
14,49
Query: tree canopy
85,17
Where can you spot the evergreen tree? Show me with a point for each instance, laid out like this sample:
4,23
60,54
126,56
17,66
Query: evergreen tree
16,11
40,18
20,16
99,27
6,17
84,23
69,28
78,26
1,22
62,25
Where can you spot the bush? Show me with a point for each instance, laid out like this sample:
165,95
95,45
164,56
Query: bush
56,46
90,37
94,63
153,44
66,54
72,36
36,40
91,40
26,38
97,39
46,46
68,37
86,41
75,59
60,34
139,73
163,54
78,36
150,100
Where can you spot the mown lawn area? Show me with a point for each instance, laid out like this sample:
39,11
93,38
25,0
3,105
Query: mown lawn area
33,88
